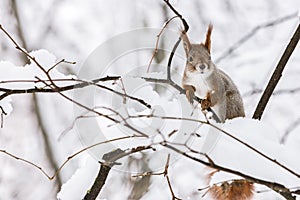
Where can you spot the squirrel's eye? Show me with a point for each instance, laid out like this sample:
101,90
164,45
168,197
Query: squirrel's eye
190,59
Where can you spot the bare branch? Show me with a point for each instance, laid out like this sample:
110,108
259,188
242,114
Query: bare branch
48,149
181,91
58,63
290,128
275,93
102,174
186,26
256,151
157,41
110,160
2,113
47,146
166,174
19,29
231,136
276,75
251,33
82,84
281,189
50,177
24,51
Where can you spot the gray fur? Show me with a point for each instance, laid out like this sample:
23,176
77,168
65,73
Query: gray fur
202,78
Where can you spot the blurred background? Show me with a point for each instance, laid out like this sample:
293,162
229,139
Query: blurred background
248,39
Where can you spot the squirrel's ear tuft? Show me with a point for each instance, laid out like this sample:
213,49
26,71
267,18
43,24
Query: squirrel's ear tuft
207,43
186,42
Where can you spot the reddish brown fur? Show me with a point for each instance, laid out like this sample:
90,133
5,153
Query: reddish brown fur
236,190
186,42
207,43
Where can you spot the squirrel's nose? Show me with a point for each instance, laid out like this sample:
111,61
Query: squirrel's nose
202,67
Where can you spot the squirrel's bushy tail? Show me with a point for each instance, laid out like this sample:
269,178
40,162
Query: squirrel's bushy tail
233,190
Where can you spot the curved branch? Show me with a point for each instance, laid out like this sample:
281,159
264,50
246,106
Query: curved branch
185,24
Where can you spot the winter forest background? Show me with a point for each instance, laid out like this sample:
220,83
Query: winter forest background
248,40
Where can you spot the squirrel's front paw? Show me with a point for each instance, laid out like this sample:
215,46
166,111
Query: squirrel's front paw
205,103
189,92
189,95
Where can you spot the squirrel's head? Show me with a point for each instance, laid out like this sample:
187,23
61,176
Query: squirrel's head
198,55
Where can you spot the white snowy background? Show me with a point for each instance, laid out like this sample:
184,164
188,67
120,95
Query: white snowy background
73,29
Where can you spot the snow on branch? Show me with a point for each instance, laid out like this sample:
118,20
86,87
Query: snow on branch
163,138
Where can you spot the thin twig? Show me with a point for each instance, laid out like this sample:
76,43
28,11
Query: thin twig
50,177
275,93
82,116
181,91
20,33
252,32
157,41
166,174
2,113
58,63
110,159
255,150
24,51
281,189
47,145
64,132
48,148
231,136
290,128
37,81
82,84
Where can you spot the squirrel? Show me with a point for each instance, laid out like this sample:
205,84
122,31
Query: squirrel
203,79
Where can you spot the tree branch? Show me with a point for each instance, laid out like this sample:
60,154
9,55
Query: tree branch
157,41
50,177
277,187
48,149
82,84
19,29
231,136
186,28
47,145
252,32
110,159
166,174
185,24
276,75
